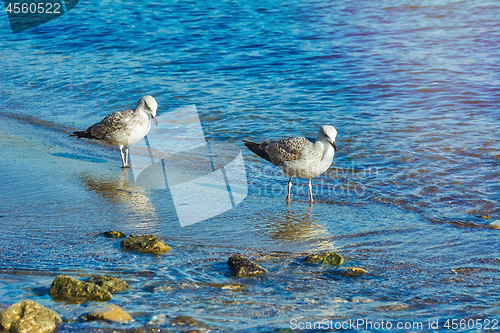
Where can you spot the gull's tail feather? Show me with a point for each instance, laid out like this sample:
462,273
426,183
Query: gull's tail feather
82,134
257,150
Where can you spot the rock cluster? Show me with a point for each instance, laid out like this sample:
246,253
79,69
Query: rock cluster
30,317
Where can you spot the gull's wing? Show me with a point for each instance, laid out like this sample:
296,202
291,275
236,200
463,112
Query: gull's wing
113,122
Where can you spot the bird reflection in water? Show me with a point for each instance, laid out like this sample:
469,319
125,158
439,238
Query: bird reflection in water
120,190
291,225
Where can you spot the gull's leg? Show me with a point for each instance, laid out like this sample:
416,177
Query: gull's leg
123,159
310,191
126,156
289,187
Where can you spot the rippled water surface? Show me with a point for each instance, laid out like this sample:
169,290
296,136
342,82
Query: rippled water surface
412,87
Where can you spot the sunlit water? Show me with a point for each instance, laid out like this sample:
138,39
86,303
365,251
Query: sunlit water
412,88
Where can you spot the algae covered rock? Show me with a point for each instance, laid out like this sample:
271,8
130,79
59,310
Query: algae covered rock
145,244
65,288
108,313
326,258
241,266
110,283
28,317
114,234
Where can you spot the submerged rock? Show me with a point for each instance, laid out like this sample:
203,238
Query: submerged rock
110,283
229,286
158,319
68,289
241,266
495,224
326,258
145,244
114,234
152,329
108,313
353,271
186,321
28,317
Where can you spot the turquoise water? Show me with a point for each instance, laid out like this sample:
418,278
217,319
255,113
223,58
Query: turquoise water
412,88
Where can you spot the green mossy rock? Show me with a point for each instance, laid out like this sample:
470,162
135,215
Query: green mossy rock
241,266
144,244
114,234
110,283
326,258
65,288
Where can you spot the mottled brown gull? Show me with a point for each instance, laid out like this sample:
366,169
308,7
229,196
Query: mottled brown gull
299,157
123,128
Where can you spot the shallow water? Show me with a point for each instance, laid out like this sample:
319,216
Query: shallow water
411,88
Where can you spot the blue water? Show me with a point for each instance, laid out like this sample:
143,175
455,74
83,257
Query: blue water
412,87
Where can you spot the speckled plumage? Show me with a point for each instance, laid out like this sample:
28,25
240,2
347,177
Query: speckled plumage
123,128
287,149
299,157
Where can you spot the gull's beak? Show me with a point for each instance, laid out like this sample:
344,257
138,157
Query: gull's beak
334,145
156,121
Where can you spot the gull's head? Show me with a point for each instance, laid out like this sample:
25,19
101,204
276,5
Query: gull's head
148,103
328,133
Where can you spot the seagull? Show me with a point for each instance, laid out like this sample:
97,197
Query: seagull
123,128
299,157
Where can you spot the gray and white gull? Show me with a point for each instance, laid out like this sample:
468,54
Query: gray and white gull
123,128
299,157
